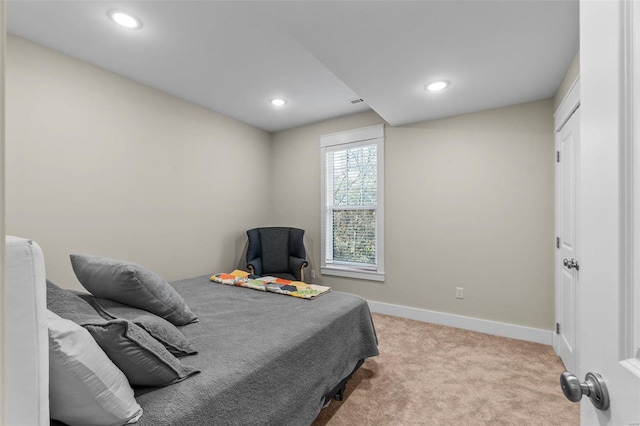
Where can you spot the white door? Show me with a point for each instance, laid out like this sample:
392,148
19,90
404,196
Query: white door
566,275
2,189
608,308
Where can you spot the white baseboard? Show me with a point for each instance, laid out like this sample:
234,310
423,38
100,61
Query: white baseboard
474,324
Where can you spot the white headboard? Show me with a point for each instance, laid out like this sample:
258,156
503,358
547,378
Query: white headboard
27,342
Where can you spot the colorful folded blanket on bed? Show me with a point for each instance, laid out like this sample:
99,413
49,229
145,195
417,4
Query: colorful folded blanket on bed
271,284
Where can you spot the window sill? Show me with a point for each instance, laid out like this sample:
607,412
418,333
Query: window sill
352,273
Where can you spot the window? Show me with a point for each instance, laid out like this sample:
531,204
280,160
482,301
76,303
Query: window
353,203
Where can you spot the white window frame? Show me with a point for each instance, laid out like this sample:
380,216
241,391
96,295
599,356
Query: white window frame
343,140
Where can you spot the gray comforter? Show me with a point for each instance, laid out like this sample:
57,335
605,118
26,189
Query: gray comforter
266,359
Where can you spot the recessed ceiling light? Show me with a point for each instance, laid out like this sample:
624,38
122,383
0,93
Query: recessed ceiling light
436,86
278,102
125,19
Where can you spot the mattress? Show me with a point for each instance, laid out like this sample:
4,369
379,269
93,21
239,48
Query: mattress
265,359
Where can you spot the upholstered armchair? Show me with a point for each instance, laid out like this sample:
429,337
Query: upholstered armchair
277,251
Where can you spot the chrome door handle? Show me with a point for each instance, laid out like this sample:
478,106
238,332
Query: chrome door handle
594,387
571,264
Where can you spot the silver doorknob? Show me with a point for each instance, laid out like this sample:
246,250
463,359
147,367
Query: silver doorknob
570,264
594,387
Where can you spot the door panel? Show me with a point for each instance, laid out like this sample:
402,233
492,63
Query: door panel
566,148
568,320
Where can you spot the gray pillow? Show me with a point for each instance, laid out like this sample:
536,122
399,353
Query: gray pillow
162,330
85,387
133,285
87,297
69,306
141,358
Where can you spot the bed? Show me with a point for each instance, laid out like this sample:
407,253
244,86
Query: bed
263,358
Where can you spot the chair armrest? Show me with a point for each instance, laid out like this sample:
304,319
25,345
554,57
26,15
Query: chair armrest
255,265
296,266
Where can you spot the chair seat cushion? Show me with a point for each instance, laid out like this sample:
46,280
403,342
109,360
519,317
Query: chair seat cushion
285,275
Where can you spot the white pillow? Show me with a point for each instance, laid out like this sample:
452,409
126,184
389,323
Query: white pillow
85,387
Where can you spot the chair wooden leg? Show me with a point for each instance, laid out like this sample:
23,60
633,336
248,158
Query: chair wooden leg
339,396
253,272
302,274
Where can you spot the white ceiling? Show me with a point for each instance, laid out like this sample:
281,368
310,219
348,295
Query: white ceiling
234,56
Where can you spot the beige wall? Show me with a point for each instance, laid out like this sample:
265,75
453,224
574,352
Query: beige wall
570,77
99,164
469,203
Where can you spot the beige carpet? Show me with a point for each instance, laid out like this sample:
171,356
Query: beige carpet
428,374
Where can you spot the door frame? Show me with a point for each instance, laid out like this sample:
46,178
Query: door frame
569,104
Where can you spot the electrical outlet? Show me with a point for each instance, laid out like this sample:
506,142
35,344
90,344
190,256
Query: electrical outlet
459,293
313,274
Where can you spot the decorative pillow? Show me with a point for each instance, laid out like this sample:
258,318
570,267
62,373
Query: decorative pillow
133,285
144,360
85,387
162,330
69,305
87,297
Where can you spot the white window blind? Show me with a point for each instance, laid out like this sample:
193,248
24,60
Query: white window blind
352,203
